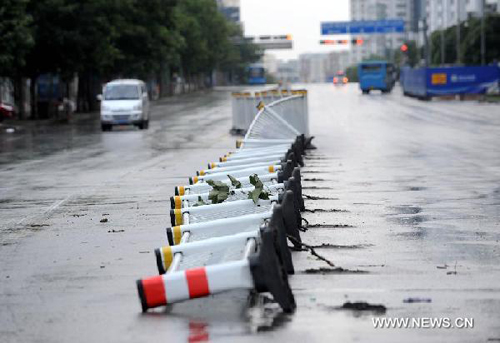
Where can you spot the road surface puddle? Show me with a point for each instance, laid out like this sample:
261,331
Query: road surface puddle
407,209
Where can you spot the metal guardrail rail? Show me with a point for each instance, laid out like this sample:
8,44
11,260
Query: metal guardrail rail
239,242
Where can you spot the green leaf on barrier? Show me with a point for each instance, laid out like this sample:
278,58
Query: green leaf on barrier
254,195
255,181
258,192
219,192
222,196
234,182
217,184
264,195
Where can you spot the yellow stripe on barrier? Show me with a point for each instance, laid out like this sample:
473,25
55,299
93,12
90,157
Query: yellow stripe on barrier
271,169
178,216
260,106
202,173
177,235
177,202
195,179
167,257
213,165
238,145
181,190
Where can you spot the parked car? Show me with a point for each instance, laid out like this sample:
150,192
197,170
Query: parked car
6,111
124,102
6,99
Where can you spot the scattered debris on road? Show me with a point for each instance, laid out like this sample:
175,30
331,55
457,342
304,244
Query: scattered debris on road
363,306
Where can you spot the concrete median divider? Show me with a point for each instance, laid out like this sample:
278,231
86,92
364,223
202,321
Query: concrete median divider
230,226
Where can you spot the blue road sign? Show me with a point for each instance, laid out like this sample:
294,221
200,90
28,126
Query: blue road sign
363,27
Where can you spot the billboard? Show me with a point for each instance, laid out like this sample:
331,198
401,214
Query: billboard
429,82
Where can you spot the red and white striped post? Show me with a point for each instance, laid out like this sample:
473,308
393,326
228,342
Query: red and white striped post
194,283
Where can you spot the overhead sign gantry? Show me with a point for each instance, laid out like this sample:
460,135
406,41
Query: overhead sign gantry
272,42
363,27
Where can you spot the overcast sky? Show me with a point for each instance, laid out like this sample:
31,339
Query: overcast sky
300,18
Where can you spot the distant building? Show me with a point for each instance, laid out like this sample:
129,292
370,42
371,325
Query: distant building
288,71
230,9
442,14
336,61
493,6
270,63
312,67
378,44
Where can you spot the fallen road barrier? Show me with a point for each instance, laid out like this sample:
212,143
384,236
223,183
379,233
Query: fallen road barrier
244,105
261,270
231,224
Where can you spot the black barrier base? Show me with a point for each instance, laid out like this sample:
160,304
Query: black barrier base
276,224
308,143
294,186
286,172
291,217
290,156
298,181
298,154
269,274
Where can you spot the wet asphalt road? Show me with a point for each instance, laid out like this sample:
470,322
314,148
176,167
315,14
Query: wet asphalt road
409,199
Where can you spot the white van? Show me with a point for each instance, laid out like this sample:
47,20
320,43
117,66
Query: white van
124,102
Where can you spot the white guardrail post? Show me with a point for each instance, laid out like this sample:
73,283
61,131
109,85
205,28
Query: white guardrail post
239,241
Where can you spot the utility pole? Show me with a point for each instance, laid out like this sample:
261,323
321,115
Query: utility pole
426,42
443,59
458,32
483,41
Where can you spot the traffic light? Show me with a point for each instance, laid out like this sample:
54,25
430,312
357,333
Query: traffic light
404,48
